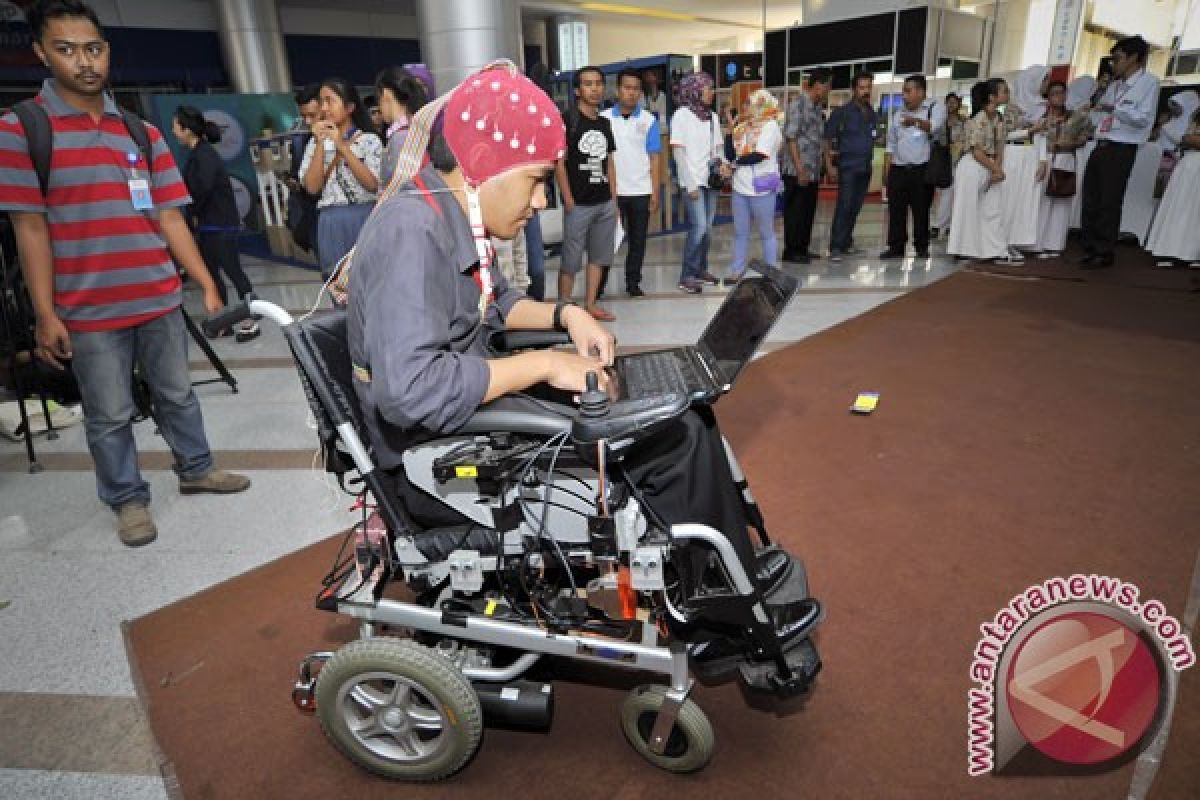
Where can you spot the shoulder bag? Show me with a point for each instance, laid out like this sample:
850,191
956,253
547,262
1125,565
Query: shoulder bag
1061,182
939,171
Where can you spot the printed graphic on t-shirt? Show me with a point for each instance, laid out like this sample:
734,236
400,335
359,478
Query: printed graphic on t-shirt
594,147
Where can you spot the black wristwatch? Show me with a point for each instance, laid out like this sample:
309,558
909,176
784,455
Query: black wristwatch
558,310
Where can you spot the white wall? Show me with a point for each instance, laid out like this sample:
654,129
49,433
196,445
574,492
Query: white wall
612,39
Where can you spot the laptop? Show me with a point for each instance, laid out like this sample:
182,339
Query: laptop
707,369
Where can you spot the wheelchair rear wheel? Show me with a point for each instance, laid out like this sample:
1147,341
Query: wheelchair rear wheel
690,744
399,710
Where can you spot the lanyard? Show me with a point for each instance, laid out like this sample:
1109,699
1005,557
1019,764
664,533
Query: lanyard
483,246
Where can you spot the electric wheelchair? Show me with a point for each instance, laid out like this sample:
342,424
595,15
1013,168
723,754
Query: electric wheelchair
556,556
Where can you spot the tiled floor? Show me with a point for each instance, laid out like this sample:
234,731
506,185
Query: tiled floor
66,583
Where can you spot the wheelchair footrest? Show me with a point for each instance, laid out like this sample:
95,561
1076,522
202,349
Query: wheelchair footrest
766,676
791,586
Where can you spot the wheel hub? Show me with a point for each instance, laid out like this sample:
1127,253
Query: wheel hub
395,720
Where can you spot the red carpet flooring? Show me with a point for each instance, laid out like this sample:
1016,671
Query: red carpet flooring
1026,429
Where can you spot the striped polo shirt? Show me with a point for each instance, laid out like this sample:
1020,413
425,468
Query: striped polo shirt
111,265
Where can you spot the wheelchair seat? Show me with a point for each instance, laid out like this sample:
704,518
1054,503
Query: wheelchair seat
320,347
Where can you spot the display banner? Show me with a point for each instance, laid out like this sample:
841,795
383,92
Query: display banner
1068,21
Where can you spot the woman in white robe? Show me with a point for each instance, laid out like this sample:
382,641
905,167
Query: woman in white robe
1173,238
978,227
1021,192
1067,130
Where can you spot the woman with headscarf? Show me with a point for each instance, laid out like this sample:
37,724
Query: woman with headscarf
1179,111
757,140
978,228
1021,192
1067,130
1173,237
697,144
1079,95
1028,104
953,135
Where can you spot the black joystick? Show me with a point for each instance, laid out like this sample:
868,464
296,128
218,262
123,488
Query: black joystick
593,402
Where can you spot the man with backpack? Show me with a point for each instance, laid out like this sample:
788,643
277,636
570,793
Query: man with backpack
95,200
302,206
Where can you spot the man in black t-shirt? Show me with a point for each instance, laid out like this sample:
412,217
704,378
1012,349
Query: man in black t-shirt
587,181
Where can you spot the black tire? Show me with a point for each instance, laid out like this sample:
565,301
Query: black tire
399,710
691,742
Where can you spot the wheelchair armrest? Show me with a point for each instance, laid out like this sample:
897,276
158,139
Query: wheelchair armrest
511,341
519,415
630,419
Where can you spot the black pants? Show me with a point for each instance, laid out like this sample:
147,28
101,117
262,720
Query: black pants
635,217
220,254
799,211
681,472
1104,183
908,194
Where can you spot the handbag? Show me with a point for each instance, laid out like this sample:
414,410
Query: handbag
766,184
1061,182
939,170
716,180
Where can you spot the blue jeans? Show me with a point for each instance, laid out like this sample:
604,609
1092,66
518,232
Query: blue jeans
535,253
103,365
852,190
700,215
759,212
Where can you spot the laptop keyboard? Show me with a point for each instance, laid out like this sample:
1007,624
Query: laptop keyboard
649,374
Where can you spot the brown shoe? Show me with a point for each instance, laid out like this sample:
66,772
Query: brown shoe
135,526
216,482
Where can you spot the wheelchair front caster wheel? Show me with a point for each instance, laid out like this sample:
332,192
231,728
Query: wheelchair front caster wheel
690,744
399,710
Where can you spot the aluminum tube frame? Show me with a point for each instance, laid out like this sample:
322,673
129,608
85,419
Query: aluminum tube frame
671,660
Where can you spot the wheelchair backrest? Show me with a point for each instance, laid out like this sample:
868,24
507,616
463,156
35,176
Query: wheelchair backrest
322,355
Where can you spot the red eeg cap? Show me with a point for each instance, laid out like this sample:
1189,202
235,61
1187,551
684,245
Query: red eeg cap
497,119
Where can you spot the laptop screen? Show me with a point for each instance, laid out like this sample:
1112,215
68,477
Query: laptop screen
744,320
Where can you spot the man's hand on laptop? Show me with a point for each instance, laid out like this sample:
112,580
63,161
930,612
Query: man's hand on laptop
592,340
568,371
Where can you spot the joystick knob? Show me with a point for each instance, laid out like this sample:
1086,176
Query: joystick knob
593,402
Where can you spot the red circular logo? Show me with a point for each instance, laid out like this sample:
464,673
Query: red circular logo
1083,688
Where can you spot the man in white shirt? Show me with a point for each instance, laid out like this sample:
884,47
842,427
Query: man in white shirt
1127,111
909,136
655,98
637,162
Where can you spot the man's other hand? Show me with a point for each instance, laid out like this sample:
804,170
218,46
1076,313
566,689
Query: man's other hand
568,371
592,340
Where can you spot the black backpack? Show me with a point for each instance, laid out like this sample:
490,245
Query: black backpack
40,137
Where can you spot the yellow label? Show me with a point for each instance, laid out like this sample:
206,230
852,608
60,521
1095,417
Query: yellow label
466,472
490,609
865,403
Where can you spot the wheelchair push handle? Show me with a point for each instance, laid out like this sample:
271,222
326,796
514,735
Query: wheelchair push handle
229,316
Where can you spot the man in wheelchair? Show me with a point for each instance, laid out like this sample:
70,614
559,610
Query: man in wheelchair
424,310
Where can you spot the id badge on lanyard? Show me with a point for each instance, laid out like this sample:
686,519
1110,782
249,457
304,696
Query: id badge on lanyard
483,246
1106,124
139,187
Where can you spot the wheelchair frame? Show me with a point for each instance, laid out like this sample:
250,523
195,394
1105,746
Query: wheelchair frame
366,603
